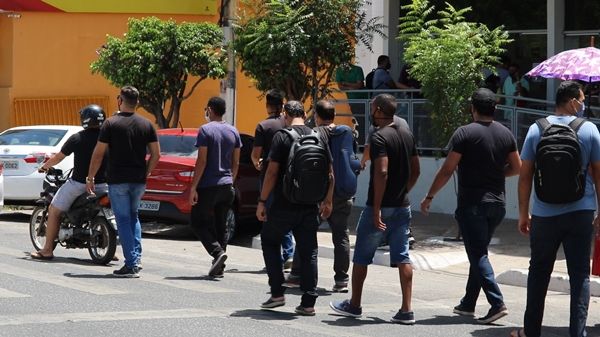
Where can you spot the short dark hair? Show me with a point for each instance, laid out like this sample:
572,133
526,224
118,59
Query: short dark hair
382,59
217,105
294,109
325,110
484,101
274,98
387,104
566,91
130,95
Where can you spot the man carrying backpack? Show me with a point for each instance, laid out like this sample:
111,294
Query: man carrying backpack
300,176
394,171
563,205
346,167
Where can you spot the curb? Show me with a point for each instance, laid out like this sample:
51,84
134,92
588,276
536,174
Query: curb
558,281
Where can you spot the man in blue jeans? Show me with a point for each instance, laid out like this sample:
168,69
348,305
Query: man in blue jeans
485,152
126,136
394,171
571,224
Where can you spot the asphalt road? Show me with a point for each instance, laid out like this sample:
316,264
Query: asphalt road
69,296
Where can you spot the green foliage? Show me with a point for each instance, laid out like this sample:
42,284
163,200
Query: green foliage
157,57
447,55
295,45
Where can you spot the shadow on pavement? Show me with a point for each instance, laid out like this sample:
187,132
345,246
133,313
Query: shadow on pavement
350,322
192,278
266,315
447,320
90,276
546,331
15,216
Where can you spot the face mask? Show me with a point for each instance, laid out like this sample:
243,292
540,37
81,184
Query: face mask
579,113
372,120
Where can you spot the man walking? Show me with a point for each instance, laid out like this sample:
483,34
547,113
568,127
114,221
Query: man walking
263,136
283,215
553,221
394,171
212,190
127,137
485,152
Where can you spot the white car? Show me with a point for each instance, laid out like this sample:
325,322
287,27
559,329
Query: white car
23,150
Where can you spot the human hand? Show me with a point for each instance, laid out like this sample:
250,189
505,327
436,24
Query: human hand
193,197
525,225
425,203
378,223
89,187
261,212
325,209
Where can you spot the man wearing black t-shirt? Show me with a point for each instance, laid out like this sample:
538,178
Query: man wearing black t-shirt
394,171
263,136
81,145
485,152
282,216
126,136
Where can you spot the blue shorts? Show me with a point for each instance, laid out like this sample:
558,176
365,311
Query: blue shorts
368,238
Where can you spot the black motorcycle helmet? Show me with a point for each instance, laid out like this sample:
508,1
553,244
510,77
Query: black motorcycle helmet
91,116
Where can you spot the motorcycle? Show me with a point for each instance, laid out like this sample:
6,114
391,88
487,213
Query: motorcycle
89,222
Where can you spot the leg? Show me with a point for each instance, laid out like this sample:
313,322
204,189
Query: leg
52,227
306,237
397,220
121,204
577,246
224,202
203,221
406,275
273,230
338,221
544,239
359,274
137,191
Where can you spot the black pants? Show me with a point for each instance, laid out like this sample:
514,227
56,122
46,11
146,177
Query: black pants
208,218
303,222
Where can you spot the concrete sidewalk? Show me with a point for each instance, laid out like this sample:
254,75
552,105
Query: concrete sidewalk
437,249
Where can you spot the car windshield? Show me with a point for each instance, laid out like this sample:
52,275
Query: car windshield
40,137
182,146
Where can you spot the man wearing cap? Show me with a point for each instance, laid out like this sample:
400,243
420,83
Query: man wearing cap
485,152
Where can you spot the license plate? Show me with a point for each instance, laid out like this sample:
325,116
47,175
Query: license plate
108,213
11,165
149,205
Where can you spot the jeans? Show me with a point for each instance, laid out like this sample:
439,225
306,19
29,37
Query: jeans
574,231
124,201
209,217
477,224
303,222
338,222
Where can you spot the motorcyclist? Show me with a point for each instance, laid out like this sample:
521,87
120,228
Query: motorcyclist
82,145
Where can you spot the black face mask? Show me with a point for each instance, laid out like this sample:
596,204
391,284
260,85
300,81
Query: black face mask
372,120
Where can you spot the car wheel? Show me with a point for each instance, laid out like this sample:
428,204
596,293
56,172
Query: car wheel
230,223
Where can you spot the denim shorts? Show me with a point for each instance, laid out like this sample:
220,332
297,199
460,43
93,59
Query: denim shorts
68,192
368,238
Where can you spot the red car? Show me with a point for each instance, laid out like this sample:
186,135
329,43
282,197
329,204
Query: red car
168,188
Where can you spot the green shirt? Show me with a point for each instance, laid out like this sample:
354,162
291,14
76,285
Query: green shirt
352,75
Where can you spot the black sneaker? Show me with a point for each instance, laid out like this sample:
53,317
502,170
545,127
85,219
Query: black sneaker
270,303
217,264
463,311
407,318
340,288
493,315
128,272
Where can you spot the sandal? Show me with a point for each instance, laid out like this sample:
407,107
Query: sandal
39,256
518,333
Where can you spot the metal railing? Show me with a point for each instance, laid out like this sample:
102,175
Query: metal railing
416,110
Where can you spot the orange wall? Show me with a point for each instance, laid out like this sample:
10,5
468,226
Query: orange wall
52,53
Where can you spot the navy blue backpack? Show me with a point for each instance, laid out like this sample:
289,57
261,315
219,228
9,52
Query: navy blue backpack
346,166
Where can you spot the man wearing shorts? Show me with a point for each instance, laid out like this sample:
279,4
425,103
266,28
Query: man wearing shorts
394,171
82,145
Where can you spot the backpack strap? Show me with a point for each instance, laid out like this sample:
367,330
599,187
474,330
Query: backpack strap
576,124
543,124
292,133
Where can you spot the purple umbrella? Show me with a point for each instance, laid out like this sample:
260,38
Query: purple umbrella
575,64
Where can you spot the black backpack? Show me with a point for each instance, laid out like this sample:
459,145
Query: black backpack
559,177
369,79
306,177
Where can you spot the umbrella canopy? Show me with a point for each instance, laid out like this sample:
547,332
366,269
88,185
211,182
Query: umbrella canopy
576,64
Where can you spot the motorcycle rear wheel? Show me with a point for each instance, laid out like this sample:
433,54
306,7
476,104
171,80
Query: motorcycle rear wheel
102,247
37,228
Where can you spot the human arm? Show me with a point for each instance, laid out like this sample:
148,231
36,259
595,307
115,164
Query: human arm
235,163
255,156
154,148
198,172
55,159
524,193
441,178
415,172
595,166
380,175
267,188
365,157
326,205
95,163
513,164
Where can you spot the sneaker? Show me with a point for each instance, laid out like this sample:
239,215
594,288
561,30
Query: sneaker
463,311
219,273
128,272
300,310
270,303
292,281
411,241
345,308
287,265
340,288
217,264
407,318
493,315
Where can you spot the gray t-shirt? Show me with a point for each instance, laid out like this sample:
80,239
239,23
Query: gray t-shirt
220,139
381,78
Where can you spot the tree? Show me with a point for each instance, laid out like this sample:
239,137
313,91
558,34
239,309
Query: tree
158,57
295,46
447,56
